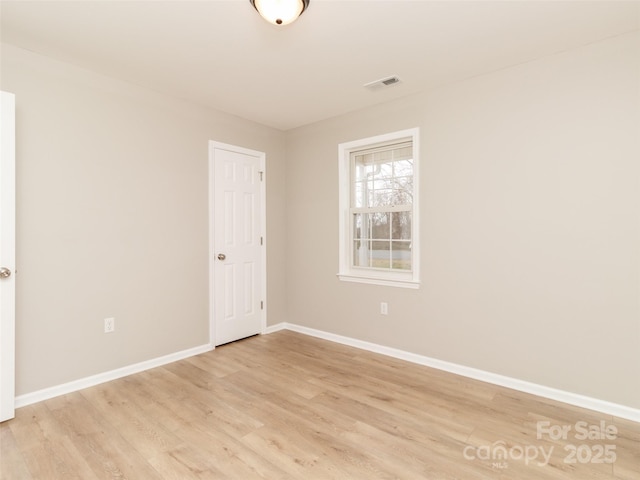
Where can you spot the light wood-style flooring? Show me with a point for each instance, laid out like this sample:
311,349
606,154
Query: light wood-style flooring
289,406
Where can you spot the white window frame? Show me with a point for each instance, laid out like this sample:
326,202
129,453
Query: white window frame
347,272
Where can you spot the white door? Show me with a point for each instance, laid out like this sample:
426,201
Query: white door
237,243
7,255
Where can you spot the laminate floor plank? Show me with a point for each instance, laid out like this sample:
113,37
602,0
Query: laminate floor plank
100,443
12,461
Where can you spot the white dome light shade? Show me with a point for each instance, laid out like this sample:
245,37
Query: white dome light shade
280,12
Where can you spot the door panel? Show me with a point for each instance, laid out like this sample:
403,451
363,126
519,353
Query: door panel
7,255
237,252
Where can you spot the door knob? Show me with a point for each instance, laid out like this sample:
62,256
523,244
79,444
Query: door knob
5,272
221,256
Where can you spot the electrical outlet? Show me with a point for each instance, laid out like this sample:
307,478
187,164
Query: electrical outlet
384,308
109,325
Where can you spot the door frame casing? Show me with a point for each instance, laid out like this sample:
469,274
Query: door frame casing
213,145
7,256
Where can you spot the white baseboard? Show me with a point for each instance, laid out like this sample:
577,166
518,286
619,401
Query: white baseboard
578,400
276,328
47,393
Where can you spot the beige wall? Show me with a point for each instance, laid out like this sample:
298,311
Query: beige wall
530,208
112,219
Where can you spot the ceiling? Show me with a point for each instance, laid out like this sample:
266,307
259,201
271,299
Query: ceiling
221,54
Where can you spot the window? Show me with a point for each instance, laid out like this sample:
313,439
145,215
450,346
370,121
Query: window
378,210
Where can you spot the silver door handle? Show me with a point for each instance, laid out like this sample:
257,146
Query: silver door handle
221,256
5,272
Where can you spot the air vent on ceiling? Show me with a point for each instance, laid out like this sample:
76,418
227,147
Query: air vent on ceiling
383,82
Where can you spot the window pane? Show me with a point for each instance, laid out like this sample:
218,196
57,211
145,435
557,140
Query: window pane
403,168
381,184
364,169
403,187
380,254
401,226
359,195
357,225
361,257
369,193
401,255
385,170
382,198
379,225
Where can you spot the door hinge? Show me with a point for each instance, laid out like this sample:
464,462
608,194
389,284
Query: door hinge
261,304
261,241
261,173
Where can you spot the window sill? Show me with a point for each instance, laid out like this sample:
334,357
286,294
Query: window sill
379,281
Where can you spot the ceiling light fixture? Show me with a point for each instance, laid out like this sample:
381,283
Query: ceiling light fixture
280,12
